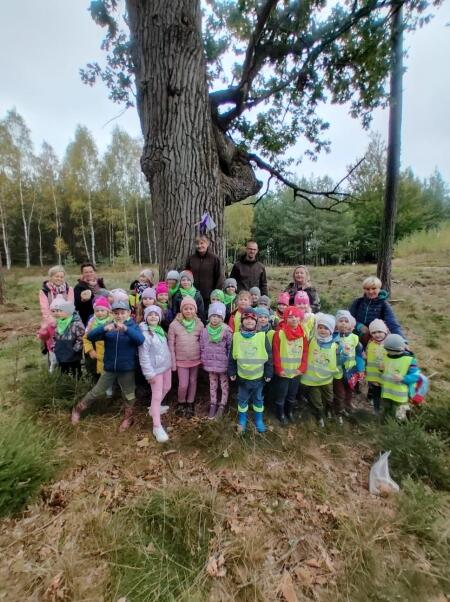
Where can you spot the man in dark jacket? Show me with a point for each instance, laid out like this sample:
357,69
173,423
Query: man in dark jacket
206,269
84,292
249,272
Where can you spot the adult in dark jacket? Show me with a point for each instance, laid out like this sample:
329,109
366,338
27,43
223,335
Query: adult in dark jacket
372,305
302,282
249,272
88,286
122,337
206,268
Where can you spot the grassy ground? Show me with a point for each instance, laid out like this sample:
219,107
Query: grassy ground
212,517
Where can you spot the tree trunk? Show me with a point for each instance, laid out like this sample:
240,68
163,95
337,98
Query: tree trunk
58,225
83,234
26,224
147,231
138,233
91,228
41,257
5,236
394,148
2,281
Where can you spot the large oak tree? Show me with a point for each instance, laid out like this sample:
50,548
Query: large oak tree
224,87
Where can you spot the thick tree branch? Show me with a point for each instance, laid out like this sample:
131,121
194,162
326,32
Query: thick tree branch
335,197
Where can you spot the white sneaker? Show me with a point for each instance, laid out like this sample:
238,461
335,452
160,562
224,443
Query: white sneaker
160,434
321,423
163,409
340,420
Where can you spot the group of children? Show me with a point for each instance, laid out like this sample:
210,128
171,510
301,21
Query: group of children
165,328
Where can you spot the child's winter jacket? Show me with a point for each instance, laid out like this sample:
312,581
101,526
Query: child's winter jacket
154,354
69,344
184,346
120,347
215,355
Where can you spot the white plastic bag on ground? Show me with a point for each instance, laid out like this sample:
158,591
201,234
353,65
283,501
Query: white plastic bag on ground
380,482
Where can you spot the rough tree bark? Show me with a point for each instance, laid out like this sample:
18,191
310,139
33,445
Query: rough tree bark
394,148
190,166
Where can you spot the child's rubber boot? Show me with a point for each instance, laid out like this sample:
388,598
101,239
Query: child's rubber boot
259,422
242,422
290,415
282,419
190,410
212,411
220,411
127,419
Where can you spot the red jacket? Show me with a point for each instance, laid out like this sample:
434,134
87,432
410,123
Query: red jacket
276,353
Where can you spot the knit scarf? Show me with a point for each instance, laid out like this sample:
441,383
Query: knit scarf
163,306
227,299
188,292
292,333
141,286
157,330
248,334
96,322
188,324
215,332
62,324
324,339
173,290
57,290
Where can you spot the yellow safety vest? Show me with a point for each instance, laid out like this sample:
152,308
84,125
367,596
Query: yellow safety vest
396,391
270,334
250,354
348,344
308,326
290,354
322,365
376,354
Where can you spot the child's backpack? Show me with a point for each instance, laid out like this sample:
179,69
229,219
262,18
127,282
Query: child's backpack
418,390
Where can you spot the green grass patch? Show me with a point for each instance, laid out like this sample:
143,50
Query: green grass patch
27,460
161,547
435,418
43,390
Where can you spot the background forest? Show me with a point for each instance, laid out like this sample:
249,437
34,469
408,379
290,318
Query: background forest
98,207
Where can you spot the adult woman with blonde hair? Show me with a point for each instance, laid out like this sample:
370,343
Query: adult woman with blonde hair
54,286
302,282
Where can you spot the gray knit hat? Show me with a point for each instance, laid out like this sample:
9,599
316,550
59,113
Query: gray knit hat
173,275
217,309
255,291
59,303
230,282
264,300
394,342
153,309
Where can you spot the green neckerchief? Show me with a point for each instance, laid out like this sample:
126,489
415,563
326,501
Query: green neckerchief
96,322
215,332
173,290
218,294
163,306
63,323
189,324
157,330
227,299
188,292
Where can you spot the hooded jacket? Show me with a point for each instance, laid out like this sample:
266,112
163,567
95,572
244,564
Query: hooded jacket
366,310
154,354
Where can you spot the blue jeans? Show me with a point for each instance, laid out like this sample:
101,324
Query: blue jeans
250,391
286,390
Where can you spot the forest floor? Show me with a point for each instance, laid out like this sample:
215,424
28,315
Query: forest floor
213,516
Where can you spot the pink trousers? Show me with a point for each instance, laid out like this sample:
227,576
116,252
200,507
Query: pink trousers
214,378
187,383
160,388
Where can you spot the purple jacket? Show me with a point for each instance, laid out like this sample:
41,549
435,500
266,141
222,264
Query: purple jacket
215,355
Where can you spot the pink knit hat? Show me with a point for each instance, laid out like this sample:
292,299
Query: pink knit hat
283,298
301,297
102,302
161,288
188,301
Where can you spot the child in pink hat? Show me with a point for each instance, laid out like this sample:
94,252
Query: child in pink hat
282,303
162,301
301,301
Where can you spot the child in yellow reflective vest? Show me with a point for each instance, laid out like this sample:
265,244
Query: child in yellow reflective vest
250,361
290,352
350,363
400,370
375,354
264,324
322,367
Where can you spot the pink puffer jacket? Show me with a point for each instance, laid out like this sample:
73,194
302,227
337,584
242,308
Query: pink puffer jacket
184,346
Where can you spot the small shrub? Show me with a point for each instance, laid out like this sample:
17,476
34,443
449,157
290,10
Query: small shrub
162,546
56,391
415,453
418,509
26,460
436,418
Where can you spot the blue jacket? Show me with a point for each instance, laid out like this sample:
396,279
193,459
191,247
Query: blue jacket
120,347
366,310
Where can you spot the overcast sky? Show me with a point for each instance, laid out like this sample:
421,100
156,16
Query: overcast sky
44,43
